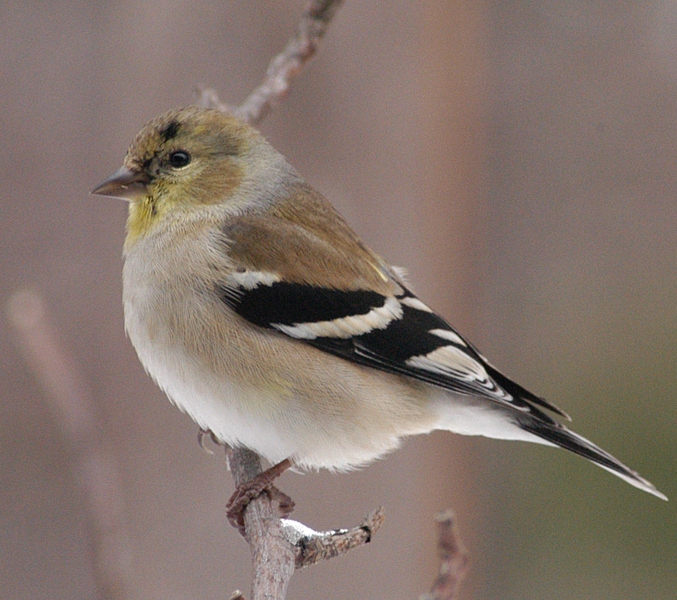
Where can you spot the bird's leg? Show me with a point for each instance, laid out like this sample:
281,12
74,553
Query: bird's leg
253,488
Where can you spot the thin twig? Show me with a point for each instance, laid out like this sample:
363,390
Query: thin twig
284,68
72,405
453,559
314,546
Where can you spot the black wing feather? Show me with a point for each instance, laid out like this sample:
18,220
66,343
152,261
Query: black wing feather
387,349
290,303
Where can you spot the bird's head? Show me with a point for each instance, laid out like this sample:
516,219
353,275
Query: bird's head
183,159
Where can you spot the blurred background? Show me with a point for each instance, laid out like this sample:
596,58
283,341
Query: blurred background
518,157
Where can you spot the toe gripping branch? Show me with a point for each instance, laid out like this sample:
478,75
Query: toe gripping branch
255,487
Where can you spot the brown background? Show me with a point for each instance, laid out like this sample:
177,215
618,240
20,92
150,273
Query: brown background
517,157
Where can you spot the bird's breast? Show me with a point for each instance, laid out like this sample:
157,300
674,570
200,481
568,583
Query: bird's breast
252,386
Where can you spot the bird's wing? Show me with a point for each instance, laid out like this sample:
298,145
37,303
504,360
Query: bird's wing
364,315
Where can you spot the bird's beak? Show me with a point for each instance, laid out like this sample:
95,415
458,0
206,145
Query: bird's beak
124,183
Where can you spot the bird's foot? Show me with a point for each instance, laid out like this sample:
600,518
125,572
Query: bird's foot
207,433
253,488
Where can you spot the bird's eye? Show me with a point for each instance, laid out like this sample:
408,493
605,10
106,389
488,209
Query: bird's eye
179,159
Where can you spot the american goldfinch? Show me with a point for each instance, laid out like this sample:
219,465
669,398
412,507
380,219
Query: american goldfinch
261,314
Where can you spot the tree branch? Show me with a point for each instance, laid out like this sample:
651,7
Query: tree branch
284,68
273,557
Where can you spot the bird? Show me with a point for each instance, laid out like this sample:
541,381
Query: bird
262,315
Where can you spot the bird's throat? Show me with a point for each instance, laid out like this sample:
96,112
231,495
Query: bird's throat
140,219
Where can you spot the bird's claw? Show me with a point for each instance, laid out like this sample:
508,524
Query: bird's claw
255,487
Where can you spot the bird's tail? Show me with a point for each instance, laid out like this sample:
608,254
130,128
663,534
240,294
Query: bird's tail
558,435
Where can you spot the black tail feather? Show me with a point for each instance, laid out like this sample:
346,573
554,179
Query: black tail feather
559,435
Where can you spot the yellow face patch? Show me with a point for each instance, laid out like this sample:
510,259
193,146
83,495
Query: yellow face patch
140,218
